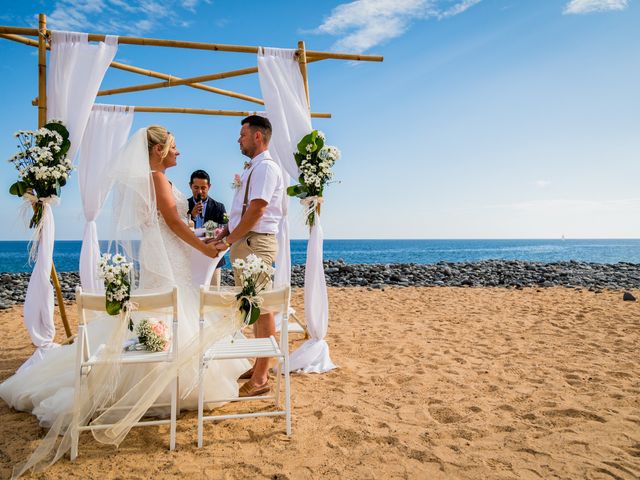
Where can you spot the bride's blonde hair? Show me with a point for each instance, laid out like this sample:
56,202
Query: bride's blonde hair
158,135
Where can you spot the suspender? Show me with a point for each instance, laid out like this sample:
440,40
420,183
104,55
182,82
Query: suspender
246,195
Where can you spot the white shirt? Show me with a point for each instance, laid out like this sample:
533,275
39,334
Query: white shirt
266,184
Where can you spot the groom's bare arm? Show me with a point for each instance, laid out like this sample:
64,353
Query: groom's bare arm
167,205
250,219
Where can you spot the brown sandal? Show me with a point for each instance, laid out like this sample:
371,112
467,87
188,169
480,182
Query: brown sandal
246,375
248,389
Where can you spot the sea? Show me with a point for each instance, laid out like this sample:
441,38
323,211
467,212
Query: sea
66,255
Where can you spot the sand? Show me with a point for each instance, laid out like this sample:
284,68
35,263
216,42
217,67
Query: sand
433,383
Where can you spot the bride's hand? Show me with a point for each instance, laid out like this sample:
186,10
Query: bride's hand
210,250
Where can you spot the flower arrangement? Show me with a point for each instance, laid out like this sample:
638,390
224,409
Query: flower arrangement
115,270
315,160
153,335
237,182
42,164
212,229
255,275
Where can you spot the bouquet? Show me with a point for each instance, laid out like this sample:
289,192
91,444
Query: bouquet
153,335
42,164
255,275
115,270
314,159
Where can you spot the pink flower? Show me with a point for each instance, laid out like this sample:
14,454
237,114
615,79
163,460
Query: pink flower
159,328
236,178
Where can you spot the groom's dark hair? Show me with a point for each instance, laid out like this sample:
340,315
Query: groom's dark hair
262,124
200,174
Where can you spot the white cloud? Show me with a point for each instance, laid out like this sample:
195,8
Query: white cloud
363,24
588,6
123,17
542,183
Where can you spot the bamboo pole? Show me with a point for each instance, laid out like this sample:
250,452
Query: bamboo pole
200,45
42,119
173,81
302,61
176,81
18,38
151,73
203,111
42,70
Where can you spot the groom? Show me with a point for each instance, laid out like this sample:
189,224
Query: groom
253,224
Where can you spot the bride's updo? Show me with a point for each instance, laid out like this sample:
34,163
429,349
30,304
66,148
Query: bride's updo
158,135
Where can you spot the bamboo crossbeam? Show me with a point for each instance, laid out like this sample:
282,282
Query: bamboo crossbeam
173,81
200,45
204,111
18,38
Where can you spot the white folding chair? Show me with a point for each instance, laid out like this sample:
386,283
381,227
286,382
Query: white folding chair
276,301
86,360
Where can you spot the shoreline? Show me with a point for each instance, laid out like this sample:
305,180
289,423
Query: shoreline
518,274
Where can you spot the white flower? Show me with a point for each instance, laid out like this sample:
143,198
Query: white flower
117,258
239,263
321,135
309,147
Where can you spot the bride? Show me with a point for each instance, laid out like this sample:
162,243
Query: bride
149,215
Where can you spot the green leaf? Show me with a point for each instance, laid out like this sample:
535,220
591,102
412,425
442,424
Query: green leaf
255,313
113,308
58,127
64,148
18,188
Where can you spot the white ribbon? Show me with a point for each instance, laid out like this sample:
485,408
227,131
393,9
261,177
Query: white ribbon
26,211
311,206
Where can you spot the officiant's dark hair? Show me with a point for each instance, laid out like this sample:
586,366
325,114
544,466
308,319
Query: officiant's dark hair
200,174
259,123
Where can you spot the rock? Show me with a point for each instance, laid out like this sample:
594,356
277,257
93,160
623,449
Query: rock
628,297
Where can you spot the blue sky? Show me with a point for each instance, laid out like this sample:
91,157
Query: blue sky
487,119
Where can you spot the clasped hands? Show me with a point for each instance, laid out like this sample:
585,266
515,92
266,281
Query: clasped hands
216,243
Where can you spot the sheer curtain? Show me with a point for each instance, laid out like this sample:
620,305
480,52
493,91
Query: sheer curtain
75,72
106,133
286,107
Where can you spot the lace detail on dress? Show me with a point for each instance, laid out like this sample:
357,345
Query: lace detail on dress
178,251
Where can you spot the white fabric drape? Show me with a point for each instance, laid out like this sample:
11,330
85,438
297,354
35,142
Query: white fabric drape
106,133
286,107
38,302
74,76
75,73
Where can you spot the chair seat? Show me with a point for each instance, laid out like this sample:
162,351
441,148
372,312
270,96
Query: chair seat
244,348
296,328
130,357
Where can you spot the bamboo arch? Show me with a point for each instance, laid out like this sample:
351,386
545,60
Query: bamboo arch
304,57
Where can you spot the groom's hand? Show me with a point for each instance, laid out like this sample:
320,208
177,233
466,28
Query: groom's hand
221,246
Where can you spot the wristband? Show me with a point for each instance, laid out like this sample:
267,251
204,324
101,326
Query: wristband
224,240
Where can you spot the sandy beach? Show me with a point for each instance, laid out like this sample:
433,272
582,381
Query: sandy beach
468,383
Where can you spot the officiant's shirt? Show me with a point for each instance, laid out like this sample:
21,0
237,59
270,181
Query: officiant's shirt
266,184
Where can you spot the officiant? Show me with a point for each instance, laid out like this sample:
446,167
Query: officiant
203,208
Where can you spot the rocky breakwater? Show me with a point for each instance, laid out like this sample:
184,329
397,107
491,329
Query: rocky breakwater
489,273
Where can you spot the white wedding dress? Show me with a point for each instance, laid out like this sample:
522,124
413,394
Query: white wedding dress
46,388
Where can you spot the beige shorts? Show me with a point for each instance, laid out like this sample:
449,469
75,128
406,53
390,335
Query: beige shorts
263,245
